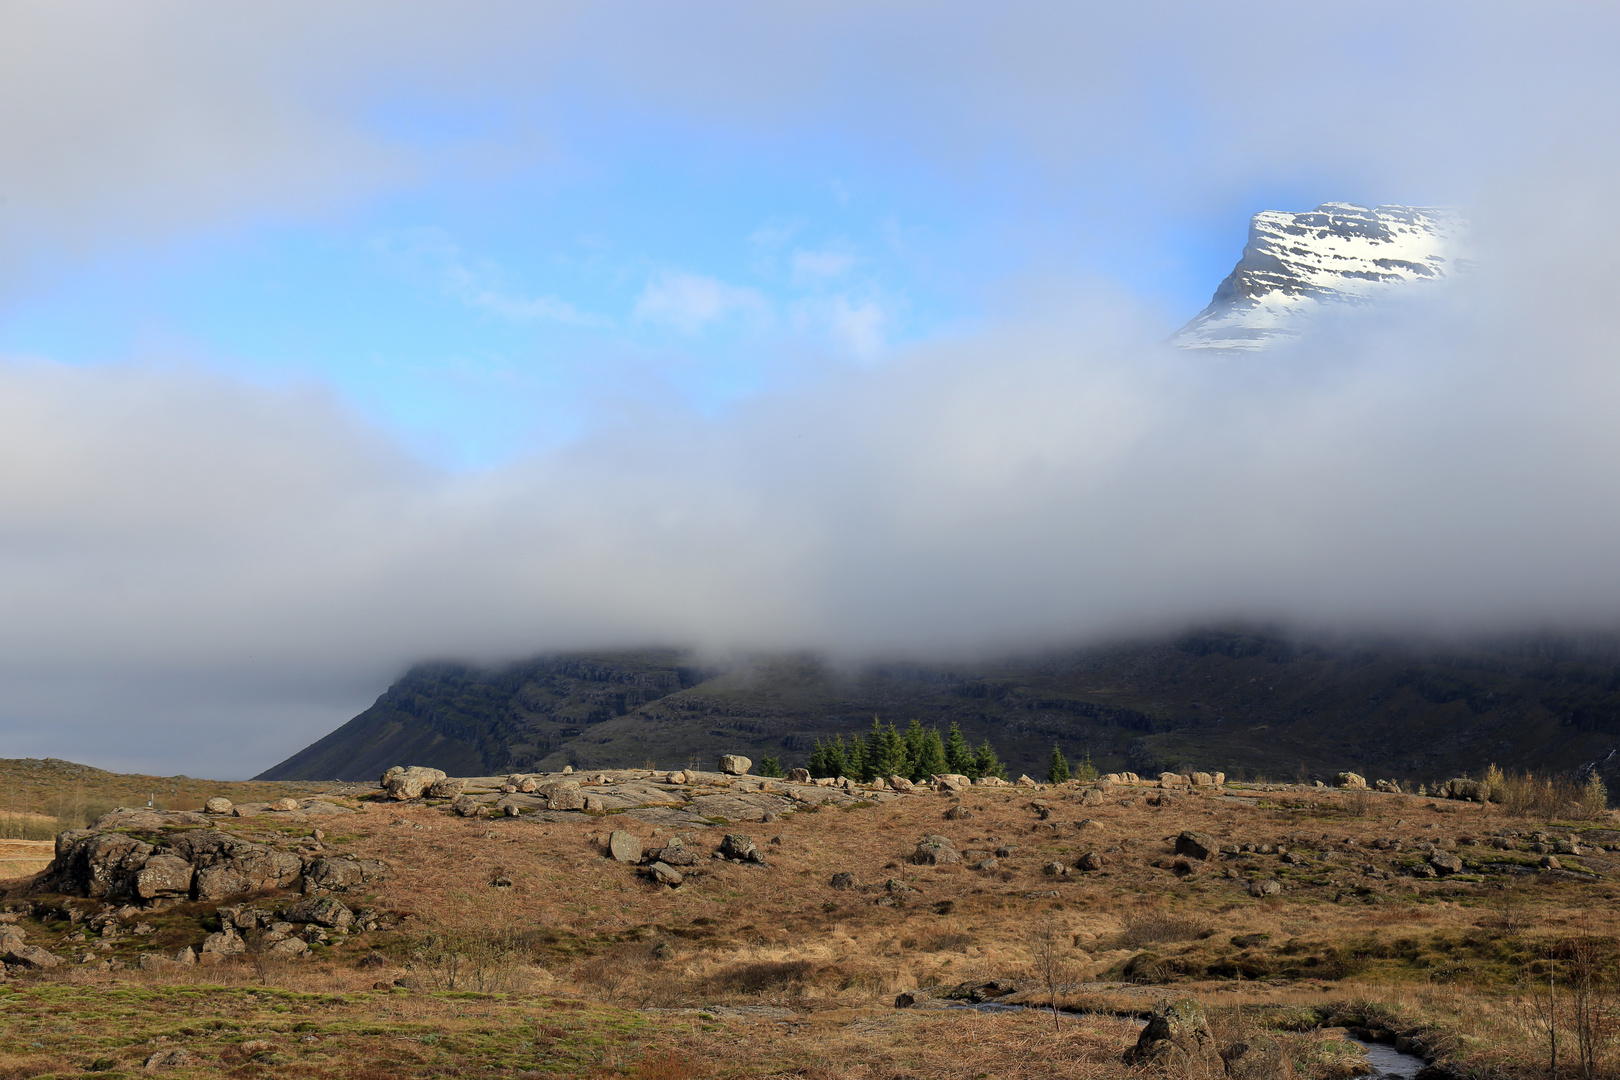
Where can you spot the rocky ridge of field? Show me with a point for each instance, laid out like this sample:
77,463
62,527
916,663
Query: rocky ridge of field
668,894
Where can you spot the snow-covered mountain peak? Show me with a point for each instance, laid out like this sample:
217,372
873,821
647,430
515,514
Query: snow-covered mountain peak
1294,264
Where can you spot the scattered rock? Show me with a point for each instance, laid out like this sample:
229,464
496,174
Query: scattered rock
1550,862
900,783
1092,797
322,911
1024,781
958,813
1446,863
951,782
403,783
1177,1036
798,776
1055,869
446,788
1268,887
167,1059
624,847
466,806
282,806
735,764
665,874
289,948
225,943
1090,861
374,959
1258,1057
31,956
342,874
843,882
562,795
1350,781
218,805
741,848
1195,845
935,850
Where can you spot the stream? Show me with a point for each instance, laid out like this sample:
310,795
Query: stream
1383,1059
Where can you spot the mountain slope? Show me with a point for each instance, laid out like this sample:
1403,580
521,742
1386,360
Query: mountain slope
1242,701
1296,266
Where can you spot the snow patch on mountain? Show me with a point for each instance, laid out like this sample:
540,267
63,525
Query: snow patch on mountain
1296,265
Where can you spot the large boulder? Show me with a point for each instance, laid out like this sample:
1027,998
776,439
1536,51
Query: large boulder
1176,1036
1196,845
1463,788
322,911
624,846
735,764
741,848
226,942
1350,781
900,783
343,874
218,805
935,850
1446,863
952,782
562,795
164,876
798,776
30,956
410,783
446,788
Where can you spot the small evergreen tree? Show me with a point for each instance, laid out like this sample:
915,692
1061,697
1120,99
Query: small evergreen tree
958,758
837,757
931,760
1085,771
855,761
885,751
985,762
770,767
1058,771
915,738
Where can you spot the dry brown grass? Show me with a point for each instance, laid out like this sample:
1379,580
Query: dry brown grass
576,934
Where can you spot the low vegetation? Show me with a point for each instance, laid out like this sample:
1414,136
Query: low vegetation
512,946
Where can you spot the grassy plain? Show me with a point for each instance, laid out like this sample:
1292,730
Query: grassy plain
520,950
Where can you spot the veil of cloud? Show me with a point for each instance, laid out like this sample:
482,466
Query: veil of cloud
236,568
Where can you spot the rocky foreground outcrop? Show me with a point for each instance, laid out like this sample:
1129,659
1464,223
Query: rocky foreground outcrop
156,857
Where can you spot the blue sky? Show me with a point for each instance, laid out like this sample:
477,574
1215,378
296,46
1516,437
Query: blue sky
487,310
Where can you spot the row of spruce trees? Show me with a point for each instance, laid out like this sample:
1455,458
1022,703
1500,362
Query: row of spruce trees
917,754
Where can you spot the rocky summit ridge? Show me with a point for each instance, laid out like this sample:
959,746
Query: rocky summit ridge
1298,266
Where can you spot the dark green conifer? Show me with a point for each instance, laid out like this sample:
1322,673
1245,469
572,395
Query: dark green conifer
1058,771
958,758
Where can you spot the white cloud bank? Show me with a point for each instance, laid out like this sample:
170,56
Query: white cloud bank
200,575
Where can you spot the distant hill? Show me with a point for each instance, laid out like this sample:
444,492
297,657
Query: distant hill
1247,702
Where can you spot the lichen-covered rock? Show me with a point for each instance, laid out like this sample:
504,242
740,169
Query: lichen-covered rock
624,846
164,876
935,850
322,911
31,956
218,805
410,783
740,847
226,942
1350,781
735,764
1176,1036
446,788
340,874
562,795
